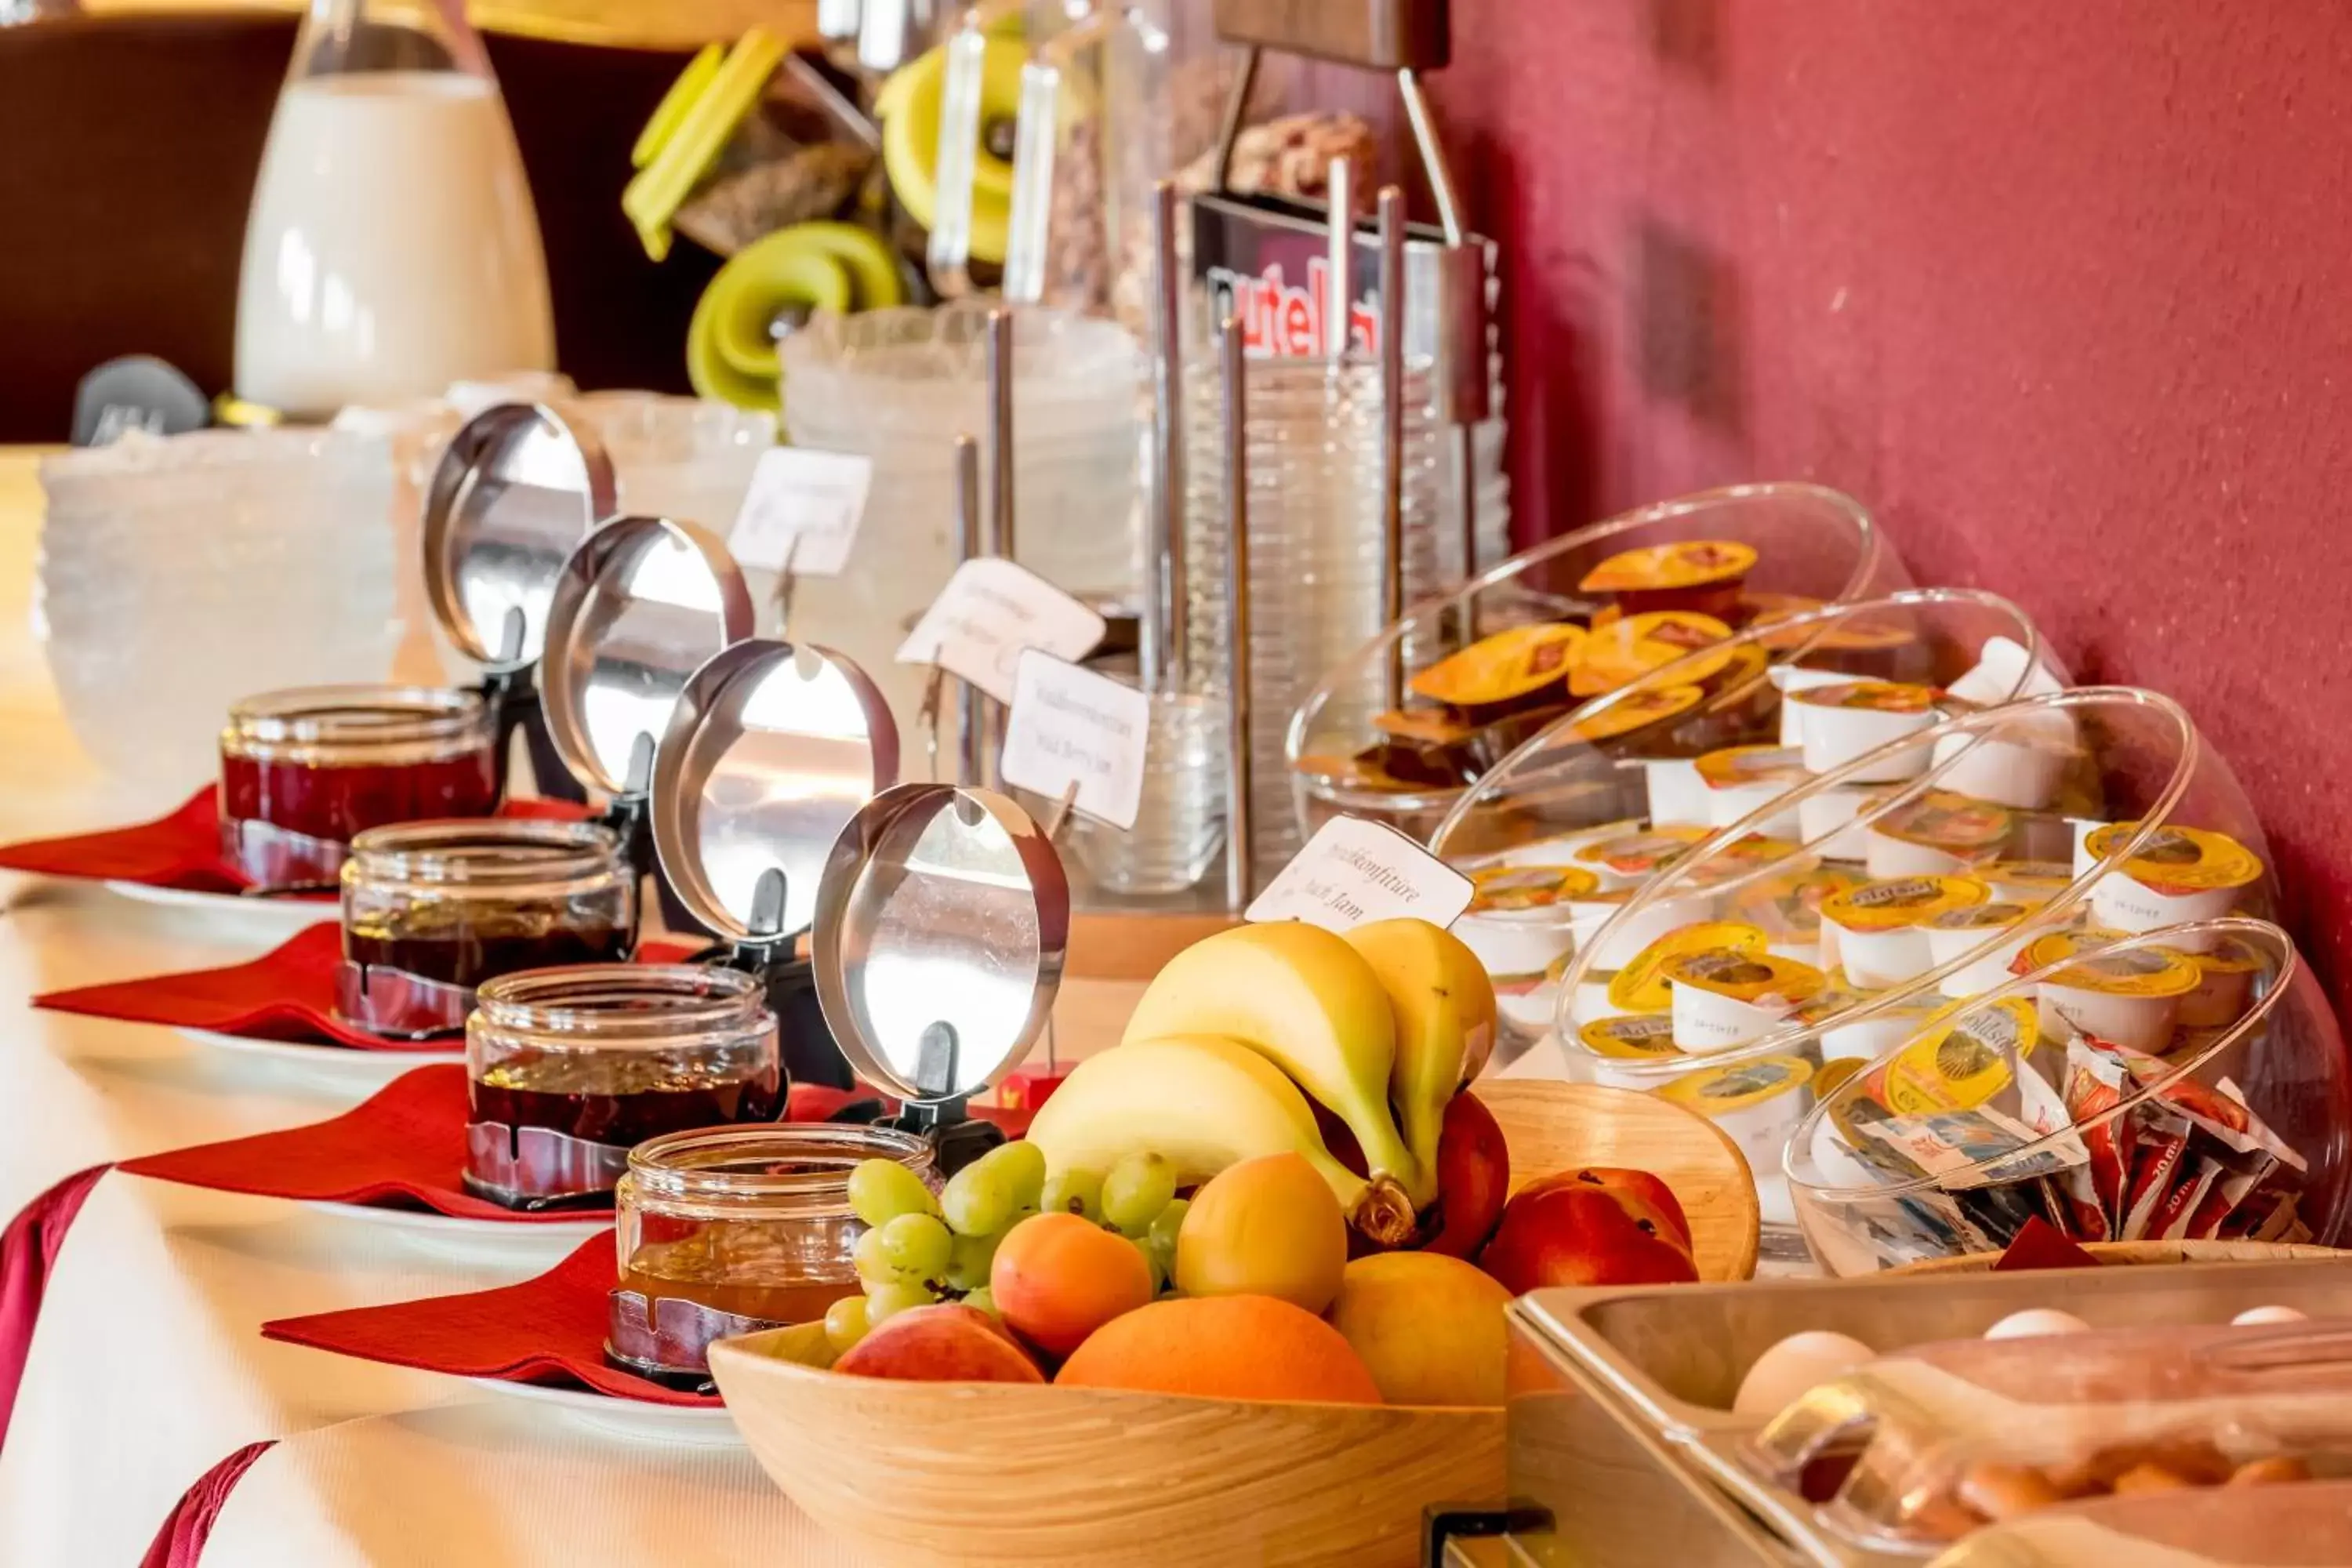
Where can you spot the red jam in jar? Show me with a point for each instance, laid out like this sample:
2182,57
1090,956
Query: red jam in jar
568,1069
432,909
304,771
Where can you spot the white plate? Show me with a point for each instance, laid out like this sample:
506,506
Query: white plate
455,1235
686,1425
341,1067
285,915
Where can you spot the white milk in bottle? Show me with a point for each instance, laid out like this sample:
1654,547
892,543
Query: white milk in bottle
392,248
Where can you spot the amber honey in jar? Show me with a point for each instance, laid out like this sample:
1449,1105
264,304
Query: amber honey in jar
304,771
737,1229
568,1069
432,909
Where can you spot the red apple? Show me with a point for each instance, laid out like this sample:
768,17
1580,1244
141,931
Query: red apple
1567,1231
949,1343
1474,1177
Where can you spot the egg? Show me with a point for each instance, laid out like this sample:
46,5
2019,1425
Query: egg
2036,1321
1783,1373
2253,1316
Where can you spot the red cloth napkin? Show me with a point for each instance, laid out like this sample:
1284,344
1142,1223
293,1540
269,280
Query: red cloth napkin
549,1329
403,1146
287,994
2041,1244
181,1542
181,850
29,1251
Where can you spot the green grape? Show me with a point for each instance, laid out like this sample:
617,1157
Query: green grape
981,1298
1073,1192
872,1266
882,1190
1020,1167
1135,1189
916,1246
1160,1239
846,1324
884,1302
979,1199
1152,1261
967,1267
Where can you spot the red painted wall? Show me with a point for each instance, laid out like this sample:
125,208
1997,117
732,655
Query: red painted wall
2062,290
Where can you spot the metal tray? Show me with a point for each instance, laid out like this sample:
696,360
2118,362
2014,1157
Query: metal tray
1621,1428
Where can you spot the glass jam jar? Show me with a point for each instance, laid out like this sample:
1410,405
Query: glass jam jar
303,771
736,1229
568,1069
431,910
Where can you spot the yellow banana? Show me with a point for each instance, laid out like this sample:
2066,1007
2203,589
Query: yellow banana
1308,1001
1202,1102
1445,1009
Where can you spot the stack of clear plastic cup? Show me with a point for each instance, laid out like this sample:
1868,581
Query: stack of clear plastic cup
1180,824
177,575
1317,553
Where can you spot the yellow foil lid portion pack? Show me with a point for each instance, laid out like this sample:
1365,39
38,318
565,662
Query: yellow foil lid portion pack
1641,854
1751,977
1647,1036
1636,709
1687,563
1955,824
1960,1064
1719,1091
1869,696
2179,859
1508,665
1900,901
1504,889
1790,907
1629,647
2146,971
1642,986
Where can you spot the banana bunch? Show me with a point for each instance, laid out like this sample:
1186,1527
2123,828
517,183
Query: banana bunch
1243,1035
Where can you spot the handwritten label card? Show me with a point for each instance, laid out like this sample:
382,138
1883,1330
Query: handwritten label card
990,611
1353,872
1070,726
802,506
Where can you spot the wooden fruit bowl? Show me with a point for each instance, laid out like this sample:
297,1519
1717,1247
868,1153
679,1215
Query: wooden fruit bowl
997,1474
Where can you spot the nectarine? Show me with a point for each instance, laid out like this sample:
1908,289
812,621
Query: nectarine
948,1343
1430,1327
1474,1177
1059,1277
1566,1231
1223,1347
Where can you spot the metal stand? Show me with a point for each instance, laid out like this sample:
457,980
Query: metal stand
1241,837
810,1053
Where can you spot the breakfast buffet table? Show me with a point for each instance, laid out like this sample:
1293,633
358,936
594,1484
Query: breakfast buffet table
147,1370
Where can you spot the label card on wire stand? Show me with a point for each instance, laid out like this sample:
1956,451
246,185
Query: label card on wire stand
990,611
1353,872
802,510
1072,730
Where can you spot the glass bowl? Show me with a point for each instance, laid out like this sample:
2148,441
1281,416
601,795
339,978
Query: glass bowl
2018,1103
1812,545
1976,881
1620,786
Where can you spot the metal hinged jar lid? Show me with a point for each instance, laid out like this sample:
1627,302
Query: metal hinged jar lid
772,750
513,495
942,923
640,606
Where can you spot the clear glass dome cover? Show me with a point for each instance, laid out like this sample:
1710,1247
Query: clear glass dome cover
1563,829
2183,1083
2096,809
1796,546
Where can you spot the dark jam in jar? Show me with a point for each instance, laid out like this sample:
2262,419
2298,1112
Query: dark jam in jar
432,909
570,1068
305,772
731,1230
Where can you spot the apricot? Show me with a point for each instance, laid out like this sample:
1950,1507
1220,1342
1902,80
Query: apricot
1267,1227
1223,1347
948,1343
1430,1328
1059,1277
